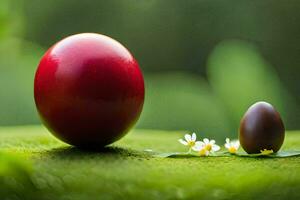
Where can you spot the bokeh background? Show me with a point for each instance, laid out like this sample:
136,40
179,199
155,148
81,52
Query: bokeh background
205,61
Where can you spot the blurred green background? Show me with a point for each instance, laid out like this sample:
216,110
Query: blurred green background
205,61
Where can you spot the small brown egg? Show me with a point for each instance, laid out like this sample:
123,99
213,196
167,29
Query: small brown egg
261,128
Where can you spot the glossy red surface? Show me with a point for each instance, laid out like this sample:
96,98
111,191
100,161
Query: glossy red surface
89,90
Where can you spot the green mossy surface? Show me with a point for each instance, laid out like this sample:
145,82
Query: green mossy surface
126,171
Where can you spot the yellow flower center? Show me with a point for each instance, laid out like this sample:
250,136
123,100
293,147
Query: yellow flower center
232,150
208,147
202,152
266,152
191,143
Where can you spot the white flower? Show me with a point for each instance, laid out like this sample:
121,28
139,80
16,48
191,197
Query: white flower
200,148
266,152
232,146
206,147
189,141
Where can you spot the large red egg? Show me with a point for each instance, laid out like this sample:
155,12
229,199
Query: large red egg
89,90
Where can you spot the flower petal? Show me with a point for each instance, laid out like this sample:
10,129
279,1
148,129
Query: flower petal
194,137
227,145
227,140
188,137
196,148
206,141
212,142
200,143
236,144
183,142
215,147
206,153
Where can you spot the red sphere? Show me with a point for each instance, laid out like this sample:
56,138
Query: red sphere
89,90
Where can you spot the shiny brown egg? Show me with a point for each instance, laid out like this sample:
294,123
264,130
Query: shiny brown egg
261,128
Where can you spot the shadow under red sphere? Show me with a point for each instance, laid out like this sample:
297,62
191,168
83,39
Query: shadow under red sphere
89,90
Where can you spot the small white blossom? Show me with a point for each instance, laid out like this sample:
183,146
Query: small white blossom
190,140
232,146
206,147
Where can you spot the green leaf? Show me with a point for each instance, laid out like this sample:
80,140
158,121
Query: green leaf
175,155
188,155
280,154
